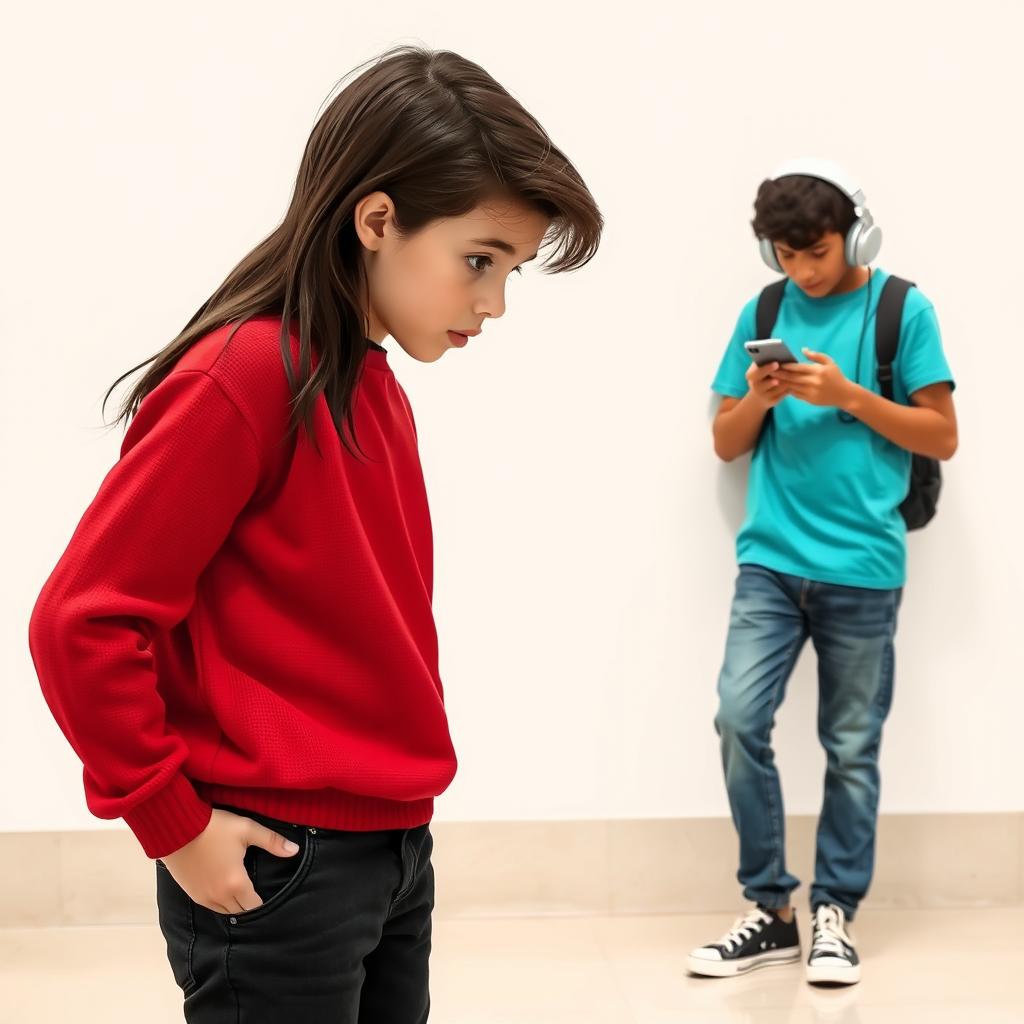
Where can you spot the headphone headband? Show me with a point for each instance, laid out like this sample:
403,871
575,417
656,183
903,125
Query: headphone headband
864,238
825,170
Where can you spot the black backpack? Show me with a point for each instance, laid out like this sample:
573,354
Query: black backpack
925,474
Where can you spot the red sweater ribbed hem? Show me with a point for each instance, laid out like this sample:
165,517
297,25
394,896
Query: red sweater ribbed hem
322,808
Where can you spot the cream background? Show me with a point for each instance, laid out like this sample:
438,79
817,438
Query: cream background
584,532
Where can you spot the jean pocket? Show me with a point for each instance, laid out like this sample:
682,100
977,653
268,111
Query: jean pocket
276,879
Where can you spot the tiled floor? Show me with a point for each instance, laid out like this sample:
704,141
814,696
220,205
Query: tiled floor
920,967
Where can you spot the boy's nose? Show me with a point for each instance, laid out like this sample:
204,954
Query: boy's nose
491,305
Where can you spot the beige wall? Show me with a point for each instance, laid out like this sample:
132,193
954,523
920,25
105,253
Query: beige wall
511,869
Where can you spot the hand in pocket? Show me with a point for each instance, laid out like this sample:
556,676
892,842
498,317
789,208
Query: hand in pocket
210,869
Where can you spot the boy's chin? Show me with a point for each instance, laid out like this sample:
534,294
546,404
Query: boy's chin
422,353
819,290
427,357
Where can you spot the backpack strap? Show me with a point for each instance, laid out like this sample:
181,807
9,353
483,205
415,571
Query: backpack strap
768,303
887,330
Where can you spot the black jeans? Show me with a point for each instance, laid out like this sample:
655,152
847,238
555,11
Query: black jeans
342,936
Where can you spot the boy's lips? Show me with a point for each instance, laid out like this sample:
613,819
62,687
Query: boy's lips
460,338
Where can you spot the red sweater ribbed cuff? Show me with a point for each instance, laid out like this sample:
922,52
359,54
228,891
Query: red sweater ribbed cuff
169,819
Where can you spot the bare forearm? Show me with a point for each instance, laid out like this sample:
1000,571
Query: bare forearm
919,430
737,430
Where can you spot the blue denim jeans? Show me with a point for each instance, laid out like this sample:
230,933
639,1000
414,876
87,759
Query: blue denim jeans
852,630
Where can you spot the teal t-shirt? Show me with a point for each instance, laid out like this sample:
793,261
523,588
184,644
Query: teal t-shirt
823,497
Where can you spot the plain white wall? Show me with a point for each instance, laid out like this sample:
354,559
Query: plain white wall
584,531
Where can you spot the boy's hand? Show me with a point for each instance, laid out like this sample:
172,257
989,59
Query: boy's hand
819,382
210,867
764,384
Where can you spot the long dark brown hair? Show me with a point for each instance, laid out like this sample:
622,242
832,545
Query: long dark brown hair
439,136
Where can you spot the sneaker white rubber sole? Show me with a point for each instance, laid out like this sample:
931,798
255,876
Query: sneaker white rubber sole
833,972
731,968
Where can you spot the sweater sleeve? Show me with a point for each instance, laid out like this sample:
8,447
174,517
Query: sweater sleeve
189,463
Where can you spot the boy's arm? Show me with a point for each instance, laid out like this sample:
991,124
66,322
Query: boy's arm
929,428
737,426
189,463
738,422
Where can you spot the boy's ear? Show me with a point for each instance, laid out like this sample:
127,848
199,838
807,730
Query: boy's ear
373,215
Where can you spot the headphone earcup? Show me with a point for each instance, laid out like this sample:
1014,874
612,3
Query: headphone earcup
769,256
863,242
852,243
868,244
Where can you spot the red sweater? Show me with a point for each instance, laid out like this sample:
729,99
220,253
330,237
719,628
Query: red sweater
244,621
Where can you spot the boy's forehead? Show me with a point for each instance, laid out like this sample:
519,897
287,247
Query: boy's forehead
826,238
509,221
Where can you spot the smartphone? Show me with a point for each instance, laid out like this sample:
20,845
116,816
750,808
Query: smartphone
769,350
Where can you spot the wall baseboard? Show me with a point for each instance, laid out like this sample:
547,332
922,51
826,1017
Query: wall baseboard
505,869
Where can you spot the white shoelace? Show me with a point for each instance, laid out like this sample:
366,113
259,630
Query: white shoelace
829,933
744,928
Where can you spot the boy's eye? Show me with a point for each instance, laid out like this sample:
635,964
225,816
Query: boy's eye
789,255
488,262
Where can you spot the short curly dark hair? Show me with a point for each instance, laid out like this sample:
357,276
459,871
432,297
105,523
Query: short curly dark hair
797,210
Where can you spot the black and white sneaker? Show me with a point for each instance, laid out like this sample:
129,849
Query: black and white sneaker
833,959
759,939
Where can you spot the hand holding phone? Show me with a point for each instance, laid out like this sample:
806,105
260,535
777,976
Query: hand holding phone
767,355
769,350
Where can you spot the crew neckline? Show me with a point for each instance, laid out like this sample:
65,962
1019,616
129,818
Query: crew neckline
376,356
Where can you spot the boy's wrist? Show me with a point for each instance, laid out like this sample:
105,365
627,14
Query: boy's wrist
852,401
757,402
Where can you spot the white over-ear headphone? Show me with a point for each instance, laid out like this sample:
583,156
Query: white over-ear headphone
864,238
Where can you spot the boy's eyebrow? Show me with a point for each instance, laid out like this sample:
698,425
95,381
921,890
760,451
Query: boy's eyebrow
501,245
